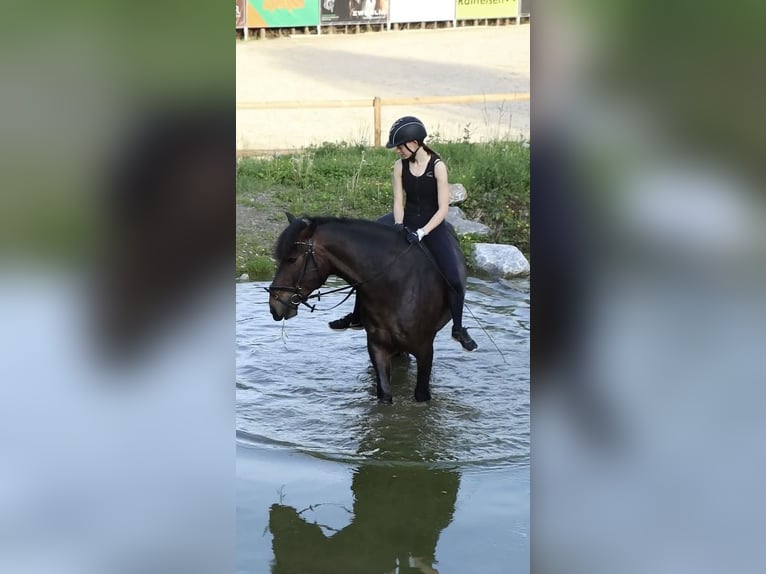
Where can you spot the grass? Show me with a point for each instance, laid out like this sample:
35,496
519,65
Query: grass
355,181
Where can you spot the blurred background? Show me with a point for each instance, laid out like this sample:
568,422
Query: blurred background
117,329
647,306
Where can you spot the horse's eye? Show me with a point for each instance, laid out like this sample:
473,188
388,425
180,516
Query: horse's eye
292,259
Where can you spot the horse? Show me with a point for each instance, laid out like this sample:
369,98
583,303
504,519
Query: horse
401,294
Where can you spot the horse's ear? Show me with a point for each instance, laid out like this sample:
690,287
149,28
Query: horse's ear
290,217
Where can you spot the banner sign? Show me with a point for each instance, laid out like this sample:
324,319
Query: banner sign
241,14
354,12
421,10
282,13
481,9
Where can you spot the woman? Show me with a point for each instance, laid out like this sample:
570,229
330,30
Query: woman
420,178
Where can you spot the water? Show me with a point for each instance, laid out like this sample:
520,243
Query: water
331,481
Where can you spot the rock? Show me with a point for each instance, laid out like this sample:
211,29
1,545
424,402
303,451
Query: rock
244,277
462,225
457,193
500,260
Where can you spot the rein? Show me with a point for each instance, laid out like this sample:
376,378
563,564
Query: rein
298,298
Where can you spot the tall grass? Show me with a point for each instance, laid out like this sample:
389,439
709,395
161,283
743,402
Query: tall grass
355,181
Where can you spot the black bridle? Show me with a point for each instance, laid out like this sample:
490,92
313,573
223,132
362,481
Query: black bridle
298,298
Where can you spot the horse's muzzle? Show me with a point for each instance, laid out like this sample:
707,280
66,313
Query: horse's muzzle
281,310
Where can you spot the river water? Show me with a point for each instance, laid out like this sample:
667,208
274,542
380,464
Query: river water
331,481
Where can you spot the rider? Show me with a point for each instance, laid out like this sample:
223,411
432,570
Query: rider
421,176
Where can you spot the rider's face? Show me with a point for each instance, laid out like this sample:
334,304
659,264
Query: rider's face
402,150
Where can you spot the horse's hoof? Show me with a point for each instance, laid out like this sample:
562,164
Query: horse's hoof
386,400
421,397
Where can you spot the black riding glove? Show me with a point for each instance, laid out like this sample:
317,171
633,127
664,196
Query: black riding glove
399,226
414,236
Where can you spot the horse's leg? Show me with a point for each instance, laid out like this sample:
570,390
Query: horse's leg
381,360
425,362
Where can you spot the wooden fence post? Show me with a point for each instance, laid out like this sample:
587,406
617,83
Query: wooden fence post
376,107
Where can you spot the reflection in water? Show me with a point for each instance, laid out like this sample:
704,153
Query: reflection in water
399,511
399,514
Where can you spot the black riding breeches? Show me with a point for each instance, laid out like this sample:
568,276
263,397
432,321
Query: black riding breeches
441,244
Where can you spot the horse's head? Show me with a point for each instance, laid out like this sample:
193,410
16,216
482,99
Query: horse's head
298,272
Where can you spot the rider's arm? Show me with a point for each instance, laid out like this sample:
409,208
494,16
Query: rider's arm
442,189
396,183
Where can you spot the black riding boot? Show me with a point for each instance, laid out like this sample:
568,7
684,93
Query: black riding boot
350,321
460,333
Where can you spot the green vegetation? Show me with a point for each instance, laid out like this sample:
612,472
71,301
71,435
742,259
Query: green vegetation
355,181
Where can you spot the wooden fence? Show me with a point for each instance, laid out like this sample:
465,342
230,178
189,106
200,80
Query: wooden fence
376,103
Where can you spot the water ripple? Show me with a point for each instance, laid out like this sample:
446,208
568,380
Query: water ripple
305,387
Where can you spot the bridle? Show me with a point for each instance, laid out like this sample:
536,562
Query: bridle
298,298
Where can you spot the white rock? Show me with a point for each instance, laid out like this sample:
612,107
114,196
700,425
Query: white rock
500,260
457,193
244,277
462,225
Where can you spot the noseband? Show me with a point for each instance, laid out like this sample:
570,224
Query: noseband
297,298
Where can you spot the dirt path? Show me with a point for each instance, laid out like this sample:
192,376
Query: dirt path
261,222
406,63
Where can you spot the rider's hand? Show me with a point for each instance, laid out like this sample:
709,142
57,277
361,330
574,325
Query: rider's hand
415,236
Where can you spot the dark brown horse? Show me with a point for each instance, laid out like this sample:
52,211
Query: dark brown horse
401,294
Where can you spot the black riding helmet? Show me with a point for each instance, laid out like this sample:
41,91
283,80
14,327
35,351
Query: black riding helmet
406,129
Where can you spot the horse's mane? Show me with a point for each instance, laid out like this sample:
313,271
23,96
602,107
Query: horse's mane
288,238
293,231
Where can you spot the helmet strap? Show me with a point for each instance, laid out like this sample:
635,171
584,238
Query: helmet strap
412,157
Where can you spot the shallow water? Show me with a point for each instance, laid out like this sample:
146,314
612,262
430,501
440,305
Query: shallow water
331,481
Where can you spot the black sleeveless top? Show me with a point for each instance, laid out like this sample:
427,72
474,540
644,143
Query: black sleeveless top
421,195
